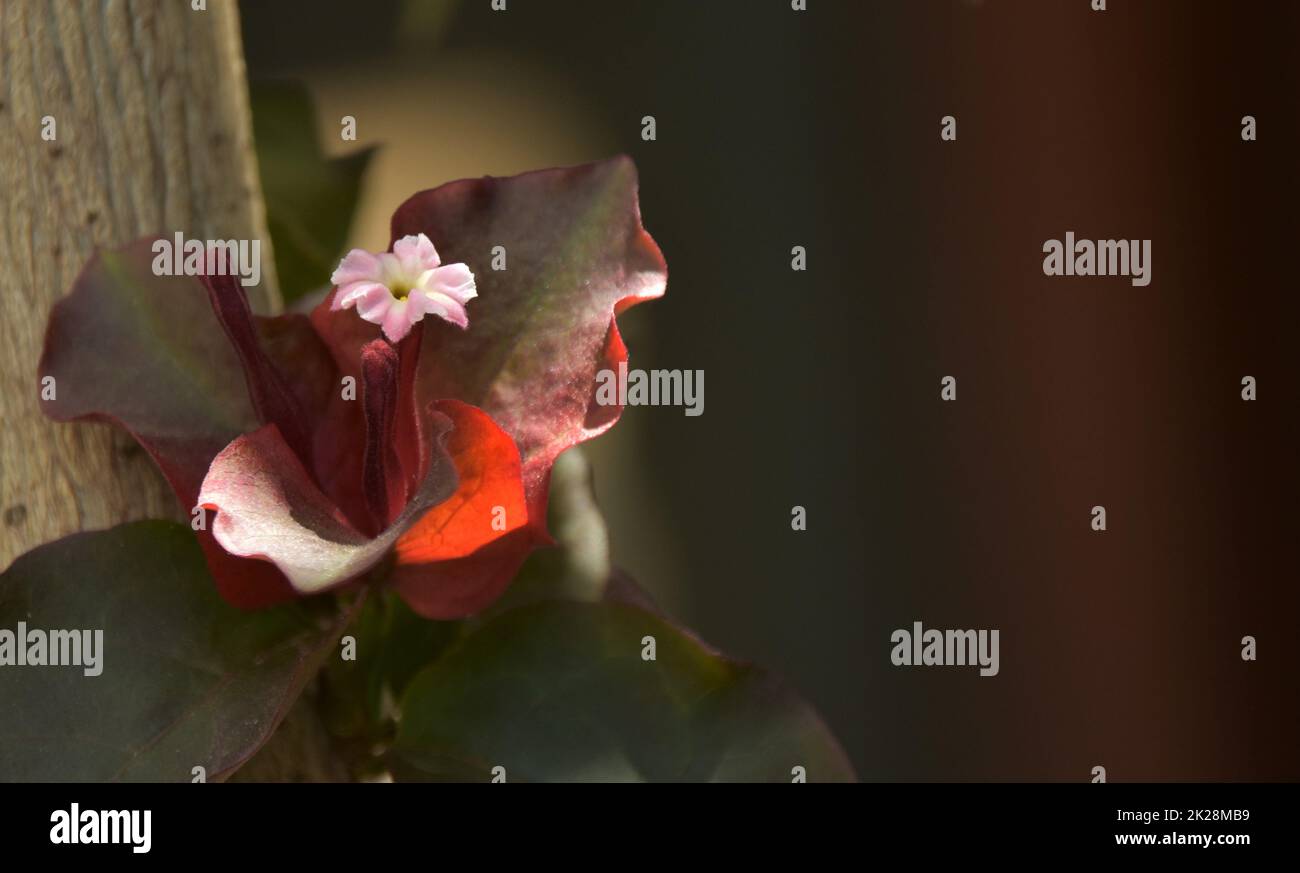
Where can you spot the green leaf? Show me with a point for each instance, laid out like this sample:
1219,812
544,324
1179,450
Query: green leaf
352,696
187,681
393,644
559,691
411,642
309,198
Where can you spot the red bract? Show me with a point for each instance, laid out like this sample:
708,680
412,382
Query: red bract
437,469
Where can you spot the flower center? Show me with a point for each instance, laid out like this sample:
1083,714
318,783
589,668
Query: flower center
400,288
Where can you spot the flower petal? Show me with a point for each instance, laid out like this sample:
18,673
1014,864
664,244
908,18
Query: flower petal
464,552
461,587
489,500
398,319
269,508
362,295
374,305
454,280
243,582
357,265
442,306
415,254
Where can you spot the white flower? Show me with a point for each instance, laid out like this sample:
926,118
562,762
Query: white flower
398,288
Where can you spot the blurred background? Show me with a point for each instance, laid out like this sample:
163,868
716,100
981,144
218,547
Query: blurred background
778,128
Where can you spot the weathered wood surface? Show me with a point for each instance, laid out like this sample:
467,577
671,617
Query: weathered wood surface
153,136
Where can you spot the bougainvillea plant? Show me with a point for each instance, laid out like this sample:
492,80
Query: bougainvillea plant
410,582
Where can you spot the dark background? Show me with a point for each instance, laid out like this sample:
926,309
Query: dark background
821,128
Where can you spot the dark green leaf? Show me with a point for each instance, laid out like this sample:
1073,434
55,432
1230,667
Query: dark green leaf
187,681
309,198
559,691
393,643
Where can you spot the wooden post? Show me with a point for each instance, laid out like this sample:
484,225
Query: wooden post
148,106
